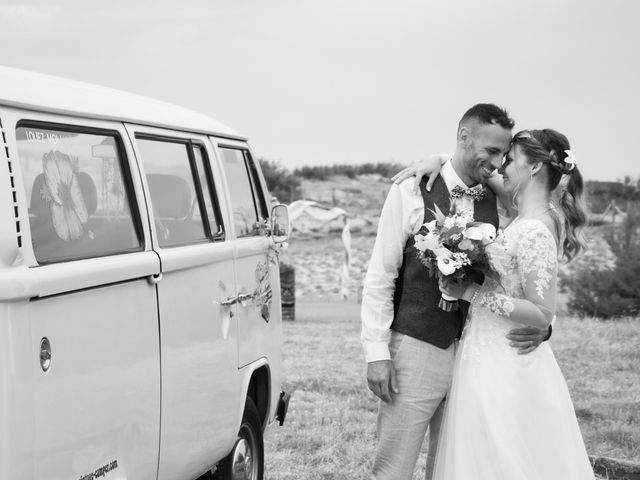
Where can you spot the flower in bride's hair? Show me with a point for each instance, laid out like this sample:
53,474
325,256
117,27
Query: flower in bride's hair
571,160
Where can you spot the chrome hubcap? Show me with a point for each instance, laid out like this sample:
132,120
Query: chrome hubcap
244,465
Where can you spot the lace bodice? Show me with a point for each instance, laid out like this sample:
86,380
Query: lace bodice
525,257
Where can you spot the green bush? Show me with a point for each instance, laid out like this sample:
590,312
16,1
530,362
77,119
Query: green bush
598,287
281,183
604,294
600,194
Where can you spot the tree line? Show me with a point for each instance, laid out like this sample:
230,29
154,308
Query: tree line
285,184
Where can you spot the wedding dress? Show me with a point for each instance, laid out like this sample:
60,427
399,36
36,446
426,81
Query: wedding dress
510,416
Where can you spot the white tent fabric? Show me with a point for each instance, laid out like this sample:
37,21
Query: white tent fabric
325,215
346,240
315,210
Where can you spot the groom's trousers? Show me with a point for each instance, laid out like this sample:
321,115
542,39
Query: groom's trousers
424,376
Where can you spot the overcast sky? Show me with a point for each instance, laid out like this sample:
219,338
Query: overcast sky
351,81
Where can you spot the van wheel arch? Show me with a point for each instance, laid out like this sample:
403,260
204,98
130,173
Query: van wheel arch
259,392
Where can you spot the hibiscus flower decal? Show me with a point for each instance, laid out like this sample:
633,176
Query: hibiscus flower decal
263,293
62,191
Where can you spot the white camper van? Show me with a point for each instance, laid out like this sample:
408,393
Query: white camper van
140,318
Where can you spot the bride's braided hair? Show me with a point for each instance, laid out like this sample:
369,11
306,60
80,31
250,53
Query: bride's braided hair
548,147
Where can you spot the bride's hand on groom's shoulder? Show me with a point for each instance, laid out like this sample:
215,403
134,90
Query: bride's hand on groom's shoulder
430,167
381,378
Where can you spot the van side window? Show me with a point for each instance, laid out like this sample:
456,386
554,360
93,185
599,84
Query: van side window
208,192
79,195
172,177
258,194
248,212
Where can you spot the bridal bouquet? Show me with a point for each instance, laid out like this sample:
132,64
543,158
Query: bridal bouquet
452,246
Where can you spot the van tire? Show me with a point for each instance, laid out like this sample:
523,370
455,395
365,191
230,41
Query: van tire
247,455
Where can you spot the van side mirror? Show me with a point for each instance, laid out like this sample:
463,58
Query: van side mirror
280,226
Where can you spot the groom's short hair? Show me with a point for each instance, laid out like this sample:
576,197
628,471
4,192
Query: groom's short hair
488,113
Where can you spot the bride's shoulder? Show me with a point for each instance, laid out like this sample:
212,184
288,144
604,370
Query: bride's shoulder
531,229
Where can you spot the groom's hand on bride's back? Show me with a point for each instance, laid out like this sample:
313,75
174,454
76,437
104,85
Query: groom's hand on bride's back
527,339
381,378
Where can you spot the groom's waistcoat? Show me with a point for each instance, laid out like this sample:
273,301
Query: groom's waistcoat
416,295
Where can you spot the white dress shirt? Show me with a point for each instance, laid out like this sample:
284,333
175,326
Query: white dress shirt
402,216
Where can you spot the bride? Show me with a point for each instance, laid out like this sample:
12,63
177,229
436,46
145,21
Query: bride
510,416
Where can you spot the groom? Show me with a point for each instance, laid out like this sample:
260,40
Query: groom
409,342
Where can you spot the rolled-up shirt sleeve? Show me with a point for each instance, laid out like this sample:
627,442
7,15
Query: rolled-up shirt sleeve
402,215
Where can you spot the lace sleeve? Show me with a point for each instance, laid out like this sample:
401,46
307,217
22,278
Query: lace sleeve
537,259
537,264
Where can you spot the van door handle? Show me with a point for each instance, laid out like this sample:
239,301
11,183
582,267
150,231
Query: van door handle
155,278
243,298
226,303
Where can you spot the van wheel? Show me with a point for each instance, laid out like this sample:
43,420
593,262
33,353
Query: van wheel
246,460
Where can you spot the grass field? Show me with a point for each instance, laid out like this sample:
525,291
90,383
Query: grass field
329,432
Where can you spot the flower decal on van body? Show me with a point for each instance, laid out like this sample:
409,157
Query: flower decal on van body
263,294
62,191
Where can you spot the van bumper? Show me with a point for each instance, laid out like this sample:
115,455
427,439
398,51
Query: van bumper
283,406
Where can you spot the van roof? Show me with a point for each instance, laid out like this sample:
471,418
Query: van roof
36,91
